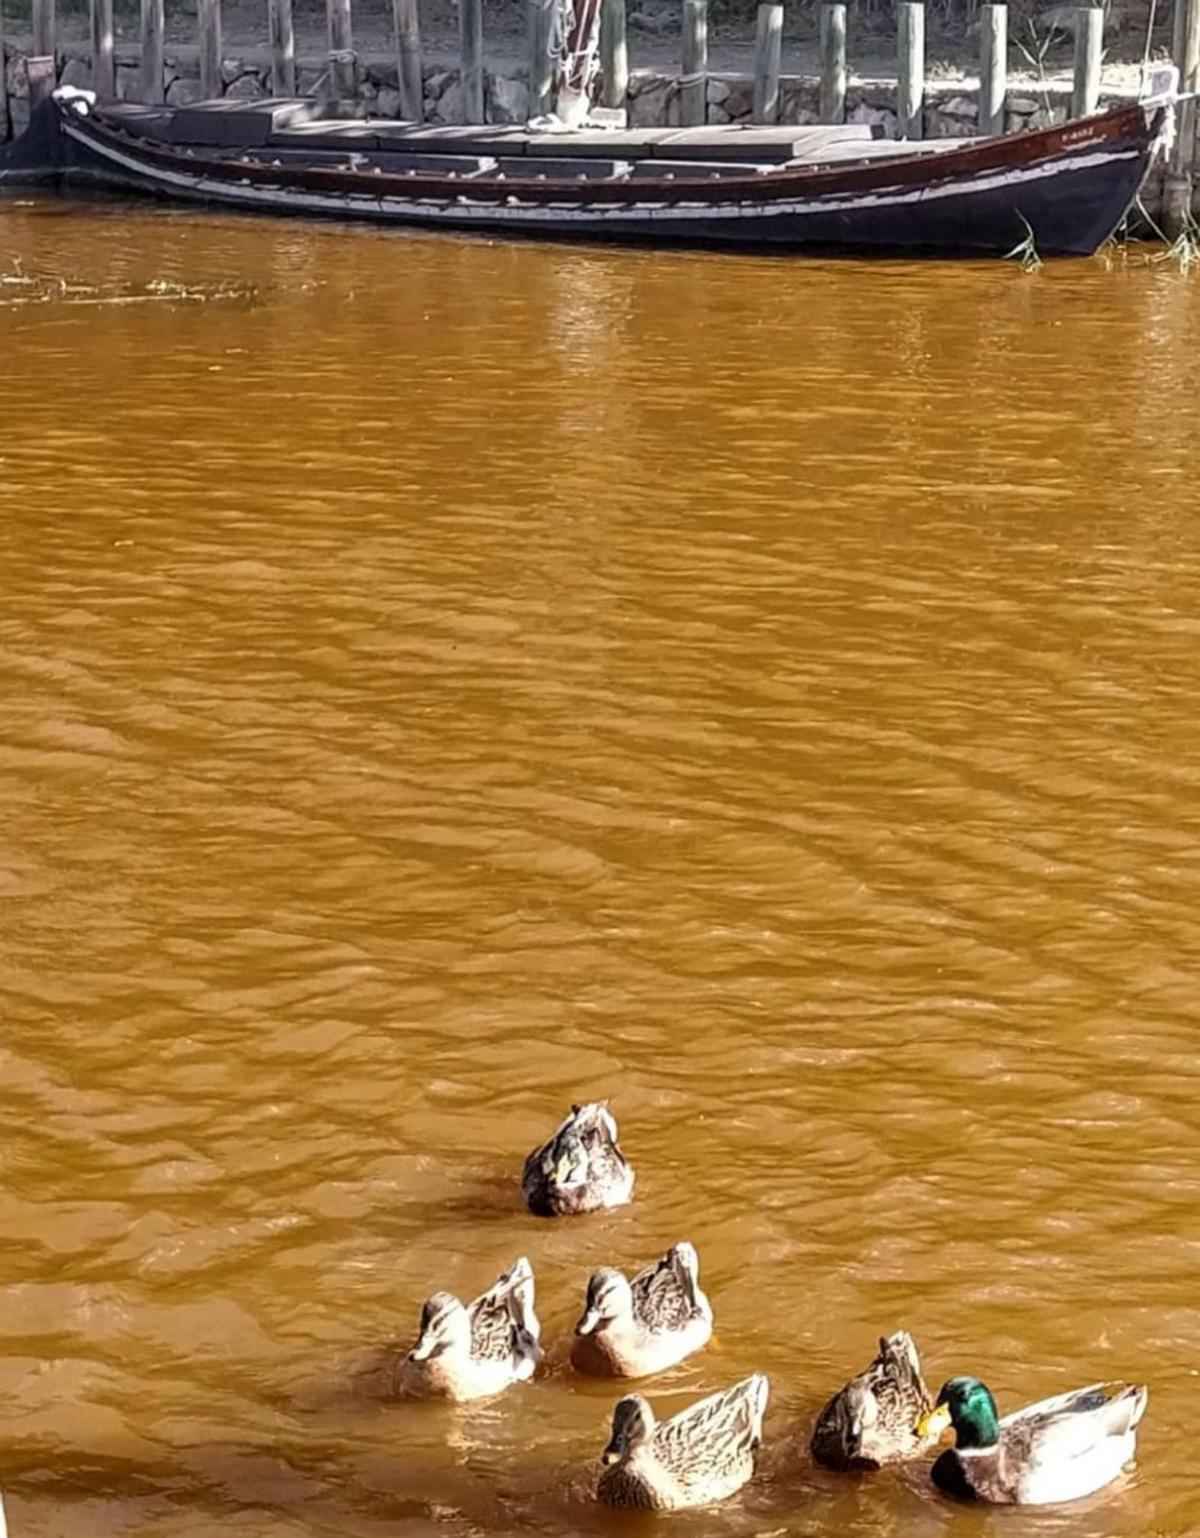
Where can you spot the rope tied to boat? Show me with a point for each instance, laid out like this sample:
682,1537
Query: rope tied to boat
575,47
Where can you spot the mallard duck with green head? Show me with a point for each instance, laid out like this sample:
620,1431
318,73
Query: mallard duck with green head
702,1455
580,1169
471,1351
1056,1450
630,1329
873,1420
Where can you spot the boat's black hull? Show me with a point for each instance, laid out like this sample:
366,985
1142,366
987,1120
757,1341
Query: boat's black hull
1065,189
36,155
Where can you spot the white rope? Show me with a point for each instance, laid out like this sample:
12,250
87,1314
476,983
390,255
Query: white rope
577,55
1146,50
562,19
573,46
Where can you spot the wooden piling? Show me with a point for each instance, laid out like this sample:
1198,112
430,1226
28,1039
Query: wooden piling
343,69
1089,42
343,76
470,33
910,81
283,47
104,69
153,92
5,117
541,57
614,54
1179,190
42,72
44,23
768,49
833,64
993,67
409,71
693,87
208,17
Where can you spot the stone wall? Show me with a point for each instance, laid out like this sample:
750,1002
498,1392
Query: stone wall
950,106
248,79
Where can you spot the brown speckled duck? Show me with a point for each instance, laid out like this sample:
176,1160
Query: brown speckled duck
702,1455
581,1168
873,1420
472,1351
632,1329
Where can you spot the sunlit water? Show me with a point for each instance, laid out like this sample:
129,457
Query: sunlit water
440,680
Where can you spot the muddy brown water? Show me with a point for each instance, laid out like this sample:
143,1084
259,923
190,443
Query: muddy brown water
443,679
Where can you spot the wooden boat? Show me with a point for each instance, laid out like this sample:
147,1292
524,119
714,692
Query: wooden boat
784,188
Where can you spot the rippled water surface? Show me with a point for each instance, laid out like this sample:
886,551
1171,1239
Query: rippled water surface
441,680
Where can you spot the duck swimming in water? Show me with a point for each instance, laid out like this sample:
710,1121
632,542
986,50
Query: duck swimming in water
475,1350
699,1456
581,1168
873,1420
632,1329
1055,1450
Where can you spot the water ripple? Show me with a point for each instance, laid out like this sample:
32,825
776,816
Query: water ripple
455,679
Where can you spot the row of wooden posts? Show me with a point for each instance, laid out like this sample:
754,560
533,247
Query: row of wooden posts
692,85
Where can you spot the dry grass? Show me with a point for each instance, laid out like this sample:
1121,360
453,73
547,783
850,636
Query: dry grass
1025,253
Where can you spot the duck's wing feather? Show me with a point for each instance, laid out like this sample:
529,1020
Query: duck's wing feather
1072,1425
592,1125
504,1310
596,1128
546,1153
717,1432
687,1271
531,1170
664,1294
894,1377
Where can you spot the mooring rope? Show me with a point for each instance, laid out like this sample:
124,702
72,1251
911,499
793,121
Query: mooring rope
575,44
1146,49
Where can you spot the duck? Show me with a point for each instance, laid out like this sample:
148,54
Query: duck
475,1350
700,1456
580,1169
632,1329
873,1420
1056,1450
